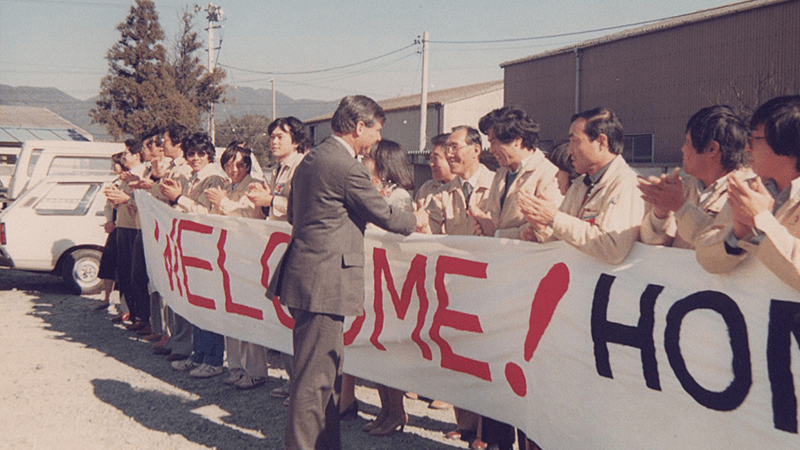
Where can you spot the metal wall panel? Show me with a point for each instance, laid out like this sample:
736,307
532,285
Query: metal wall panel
656,81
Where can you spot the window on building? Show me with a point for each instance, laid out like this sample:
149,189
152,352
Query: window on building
638,148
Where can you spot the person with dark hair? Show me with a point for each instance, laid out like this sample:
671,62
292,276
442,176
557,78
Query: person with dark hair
513,139
559,156
440,171
762,217
321,274
108,261
603,210
128,229
448,214
391,170
394,173
188,195
178,344
247,361
288,142
714,147
448,208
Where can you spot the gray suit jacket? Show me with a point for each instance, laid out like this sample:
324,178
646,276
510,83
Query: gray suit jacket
332,201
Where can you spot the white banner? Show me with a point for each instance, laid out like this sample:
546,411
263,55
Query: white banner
653,353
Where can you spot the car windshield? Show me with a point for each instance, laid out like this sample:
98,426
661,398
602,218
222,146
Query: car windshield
67,199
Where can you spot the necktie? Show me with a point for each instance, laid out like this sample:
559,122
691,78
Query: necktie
510,177
467,188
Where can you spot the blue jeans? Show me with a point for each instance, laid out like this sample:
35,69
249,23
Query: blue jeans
209,347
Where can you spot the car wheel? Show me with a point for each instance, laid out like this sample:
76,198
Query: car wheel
80,271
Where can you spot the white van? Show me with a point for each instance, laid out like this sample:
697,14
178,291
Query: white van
57,226
40,159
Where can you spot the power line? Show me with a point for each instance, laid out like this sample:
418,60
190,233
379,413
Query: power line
551,36
307,72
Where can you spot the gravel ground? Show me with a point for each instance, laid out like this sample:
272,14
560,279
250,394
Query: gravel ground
73,380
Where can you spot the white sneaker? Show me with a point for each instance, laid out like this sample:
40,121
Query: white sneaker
206,371
184,364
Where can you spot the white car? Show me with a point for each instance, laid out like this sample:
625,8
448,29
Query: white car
57,226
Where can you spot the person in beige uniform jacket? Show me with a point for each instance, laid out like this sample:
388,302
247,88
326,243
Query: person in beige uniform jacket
247,361
513,137
288,144
187,193
762,218
602,211
447,214
178,345
128,226
678,210
440,171
447,210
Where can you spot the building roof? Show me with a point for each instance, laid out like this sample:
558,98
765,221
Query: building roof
672,22
441,97
25,123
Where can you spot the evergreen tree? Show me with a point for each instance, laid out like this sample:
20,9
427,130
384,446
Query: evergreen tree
249,128
140,91
191,78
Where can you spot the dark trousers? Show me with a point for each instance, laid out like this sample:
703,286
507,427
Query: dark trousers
209,347
139,278
313,419
125,242
498,433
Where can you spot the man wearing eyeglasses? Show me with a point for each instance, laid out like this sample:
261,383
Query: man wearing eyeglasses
447,210
762,216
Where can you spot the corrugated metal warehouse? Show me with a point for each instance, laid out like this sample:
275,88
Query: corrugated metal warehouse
656,76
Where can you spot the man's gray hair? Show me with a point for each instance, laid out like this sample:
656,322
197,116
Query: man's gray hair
353,109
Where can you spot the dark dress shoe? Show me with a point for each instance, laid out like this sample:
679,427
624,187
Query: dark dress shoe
350,413
161,351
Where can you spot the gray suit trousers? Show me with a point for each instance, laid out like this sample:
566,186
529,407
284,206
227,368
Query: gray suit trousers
313,419
180,334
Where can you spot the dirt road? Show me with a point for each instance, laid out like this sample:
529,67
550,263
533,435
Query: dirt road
72,380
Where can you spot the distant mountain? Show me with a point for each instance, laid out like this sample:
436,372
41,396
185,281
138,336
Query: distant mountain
241,101
245,100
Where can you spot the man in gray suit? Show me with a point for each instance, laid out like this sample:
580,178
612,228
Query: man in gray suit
321,275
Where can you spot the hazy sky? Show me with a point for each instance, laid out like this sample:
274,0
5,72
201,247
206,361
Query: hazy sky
62,43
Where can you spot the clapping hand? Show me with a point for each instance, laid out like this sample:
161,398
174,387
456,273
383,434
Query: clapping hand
259,194
747,198
215,195
171,189
115,195
665,193
537,211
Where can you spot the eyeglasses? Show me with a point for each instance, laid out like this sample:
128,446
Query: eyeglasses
453,148
157,141
199,153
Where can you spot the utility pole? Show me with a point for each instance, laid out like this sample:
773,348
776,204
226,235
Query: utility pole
274,109
423,102
215,14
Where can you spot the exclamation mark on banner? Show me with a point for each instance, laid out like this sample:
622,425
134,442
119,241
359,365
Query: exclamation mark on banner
550,291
